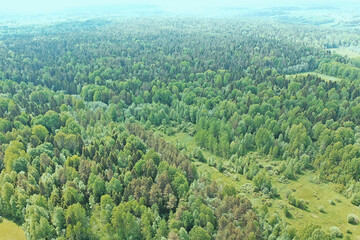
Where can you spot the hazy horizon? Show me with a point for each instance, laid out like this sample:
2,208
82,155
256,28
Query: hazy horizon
43,6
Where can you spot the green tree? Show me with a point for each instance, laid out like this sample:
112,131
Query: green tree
124,223
198,233
76,222
299,139
40,131
264,140
13,152
5,125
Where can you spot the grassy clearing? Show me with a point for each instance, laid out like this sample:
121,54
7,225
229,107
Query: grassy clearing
316,194
320,195
323,76
345,52
10,231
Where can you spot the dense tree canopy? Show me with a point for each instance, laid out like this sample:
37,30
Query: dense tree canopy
82,112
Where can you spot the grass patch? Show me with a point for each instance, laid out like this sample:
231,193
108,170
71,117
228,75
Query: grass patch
334,216
10,231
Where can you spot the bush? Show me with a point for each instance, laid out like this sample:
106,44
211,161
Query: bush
287,193
170,131
219,165
228,191
322,209
353,219
299,203
211,162
287,212
302,204
336,232
199,155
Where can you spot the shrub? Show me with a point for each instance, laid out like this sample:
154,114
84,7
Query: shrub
321,209
336,232
353,219
170,131
211,162
287,212
299,203
199,155
228,191
302,204
287,193
219,165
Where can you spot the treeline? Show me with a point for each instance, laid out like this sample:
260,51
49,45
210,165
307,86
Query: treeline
340,70
121,51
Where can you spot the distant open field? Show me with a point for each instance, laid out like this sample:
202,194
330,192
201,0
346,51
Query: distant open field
323,76
354,56
345,52
10,231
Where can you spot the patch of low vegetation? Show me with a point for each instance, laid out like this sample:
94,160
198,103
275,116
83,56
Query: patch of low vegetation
10,231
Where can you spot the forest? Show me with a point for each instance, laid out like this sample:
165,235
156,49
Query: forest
179,128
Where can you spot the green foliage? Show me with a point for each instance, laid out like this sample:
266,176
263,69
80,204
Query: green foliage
355,199
40,132
79,165
76,222
20,164
262,181
313,232
336,232
96,186
299,203
199,155
264,140
5,125
180,185
198,233
287,213
321,209
340,70
13,152
228,191
353,219
125,223
299,139
38,226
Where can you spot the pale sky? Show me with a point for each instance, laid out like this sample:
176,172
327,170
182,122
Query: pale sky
41,6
